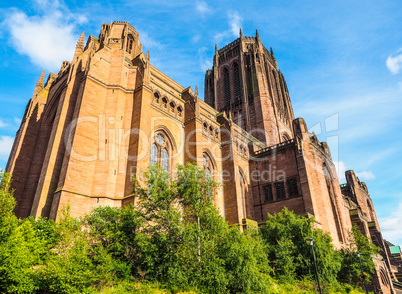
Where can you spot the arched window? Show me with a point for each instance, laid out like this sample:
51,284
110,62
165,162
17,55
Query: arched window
172,106
236,81
208,167
156,95
154,154
164,101
243,192
130,42
179,111
165,159
285,137
207,164
226,82
160,150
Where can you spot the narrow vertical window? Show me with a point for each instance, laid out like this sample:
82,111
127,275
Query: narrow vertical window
292,187
280,190
227,86
160,151
165,159
154,154
268,193
208,172
236,82
242,197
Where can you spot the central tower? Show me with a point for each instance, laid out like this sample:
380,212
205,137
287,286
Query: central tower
245,82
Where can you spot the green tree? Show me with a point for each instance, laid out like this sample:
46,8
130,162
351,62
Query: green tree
20,248
285,235
350,271
189,245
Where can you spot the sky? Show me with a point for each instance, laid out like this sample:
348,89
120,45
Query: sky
342,61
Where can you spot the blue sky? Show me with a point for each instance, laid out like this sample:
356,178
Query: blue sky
342,61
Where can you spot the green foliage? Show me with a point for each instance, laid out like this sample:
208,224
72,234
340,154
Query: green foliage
173,240
77,263
8,221
285,235
189,245
350,271
118,231
20,249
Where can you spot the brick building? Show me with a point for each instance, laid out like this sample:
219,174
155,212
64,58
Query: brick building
108,114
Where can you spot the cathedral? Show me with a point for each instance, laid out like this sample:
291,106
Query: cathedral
109,113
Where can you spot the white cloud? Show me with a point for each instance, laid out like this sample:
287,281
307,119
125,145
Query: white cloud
47,38
17,121
6,143
391,226
235,21
365,175
148,42
205,64
196,38
202,7
205,61
3,124
394,63
340,169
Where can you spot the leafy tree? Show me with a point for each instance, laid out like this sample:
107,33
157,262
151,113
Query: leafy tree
189,244
285,235
77,263
20,249
118,231
350,271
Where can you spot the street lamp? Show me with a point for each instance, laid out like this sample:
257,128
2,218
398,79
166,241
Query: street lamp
311,241
361,268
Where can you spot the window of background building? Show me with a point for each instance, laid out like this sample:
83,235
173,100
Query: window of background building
280,190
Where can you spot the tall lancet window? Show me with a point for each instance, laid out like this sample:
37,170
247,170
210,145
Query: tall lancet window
130,42
236,81
226,83
160,150
208,167
165,159
242,194
154,154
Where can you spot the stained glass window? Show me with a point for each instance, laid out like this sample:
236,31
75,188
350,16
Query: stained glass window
165,159
154,154
160,139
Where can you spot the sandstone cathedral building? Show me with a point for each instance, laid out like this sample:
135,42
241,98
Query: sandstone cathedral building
109,114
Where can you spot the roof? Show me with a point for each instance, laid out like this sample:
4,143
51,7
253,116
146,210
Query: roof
395,249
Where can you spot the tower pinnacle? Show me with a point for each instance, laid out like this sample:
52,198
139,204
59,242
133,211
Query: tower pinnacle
79,48
241,33
41,80
80,43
